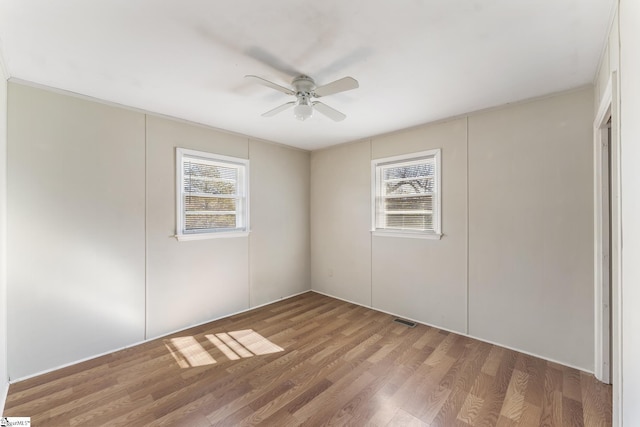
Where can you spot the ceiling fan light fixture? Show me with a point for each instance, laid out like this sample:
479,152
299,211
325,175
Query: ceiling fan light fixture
303,110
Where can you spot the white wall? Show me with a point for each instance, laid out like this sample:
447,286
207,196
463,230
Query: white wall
279,241
94,265
426,280
604,80
621,55
76,229
340,222
188,282
529,285
630,142
4,373
609,62
531,227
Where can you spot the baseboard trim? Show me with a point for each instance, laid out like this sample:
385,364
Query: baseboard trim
458,332
66,365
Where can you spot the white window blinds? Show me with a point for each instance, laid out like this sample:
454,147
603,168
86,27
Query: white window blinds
212,193
406,193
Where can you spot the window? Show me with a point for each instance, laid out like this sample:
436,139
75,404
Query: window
406,195
212,195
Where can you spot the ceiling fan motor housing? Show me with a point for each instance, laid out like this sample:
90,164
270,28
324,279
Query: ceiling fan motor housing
304,84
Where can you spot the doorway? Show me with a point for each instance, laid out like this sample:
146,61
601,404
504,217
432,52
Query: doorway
607,236
604,302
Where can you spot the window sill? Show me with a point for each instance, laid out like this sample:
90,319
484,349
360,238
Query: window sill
407,234
206,236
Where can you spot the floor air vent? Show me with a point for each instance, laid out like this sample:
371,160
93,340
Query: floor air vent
405,322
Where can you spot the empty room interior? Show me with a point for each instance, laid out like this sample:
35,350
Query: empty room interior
320,213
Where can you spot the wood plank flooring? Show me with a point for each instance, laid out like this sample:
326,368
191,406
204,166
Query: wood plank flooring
313,360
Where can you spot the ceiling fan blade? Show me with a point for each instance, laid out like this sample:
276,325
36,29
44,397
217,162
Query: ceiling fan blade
332,113
279,109
341,85
271,84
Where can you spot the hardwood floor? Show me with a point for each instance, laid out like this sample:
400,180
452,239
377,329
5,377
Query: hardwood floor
313,360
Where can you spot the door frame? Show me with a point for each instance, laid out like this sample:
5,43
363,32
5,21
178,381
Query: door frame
607,271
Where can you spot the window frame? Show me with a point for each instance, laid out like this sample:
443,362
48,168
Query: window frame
242,196
376,194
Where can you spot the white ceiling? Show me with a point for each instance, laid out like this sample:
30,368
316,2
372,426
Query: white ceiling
416,60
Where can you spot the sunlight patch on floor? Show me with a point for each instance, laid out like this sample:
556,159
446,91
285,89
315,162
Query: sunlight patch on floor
255,343
223,347
188,352
234,345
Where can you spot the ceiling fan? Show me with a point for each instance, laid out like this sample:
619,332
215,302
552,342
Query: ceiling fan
305,89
